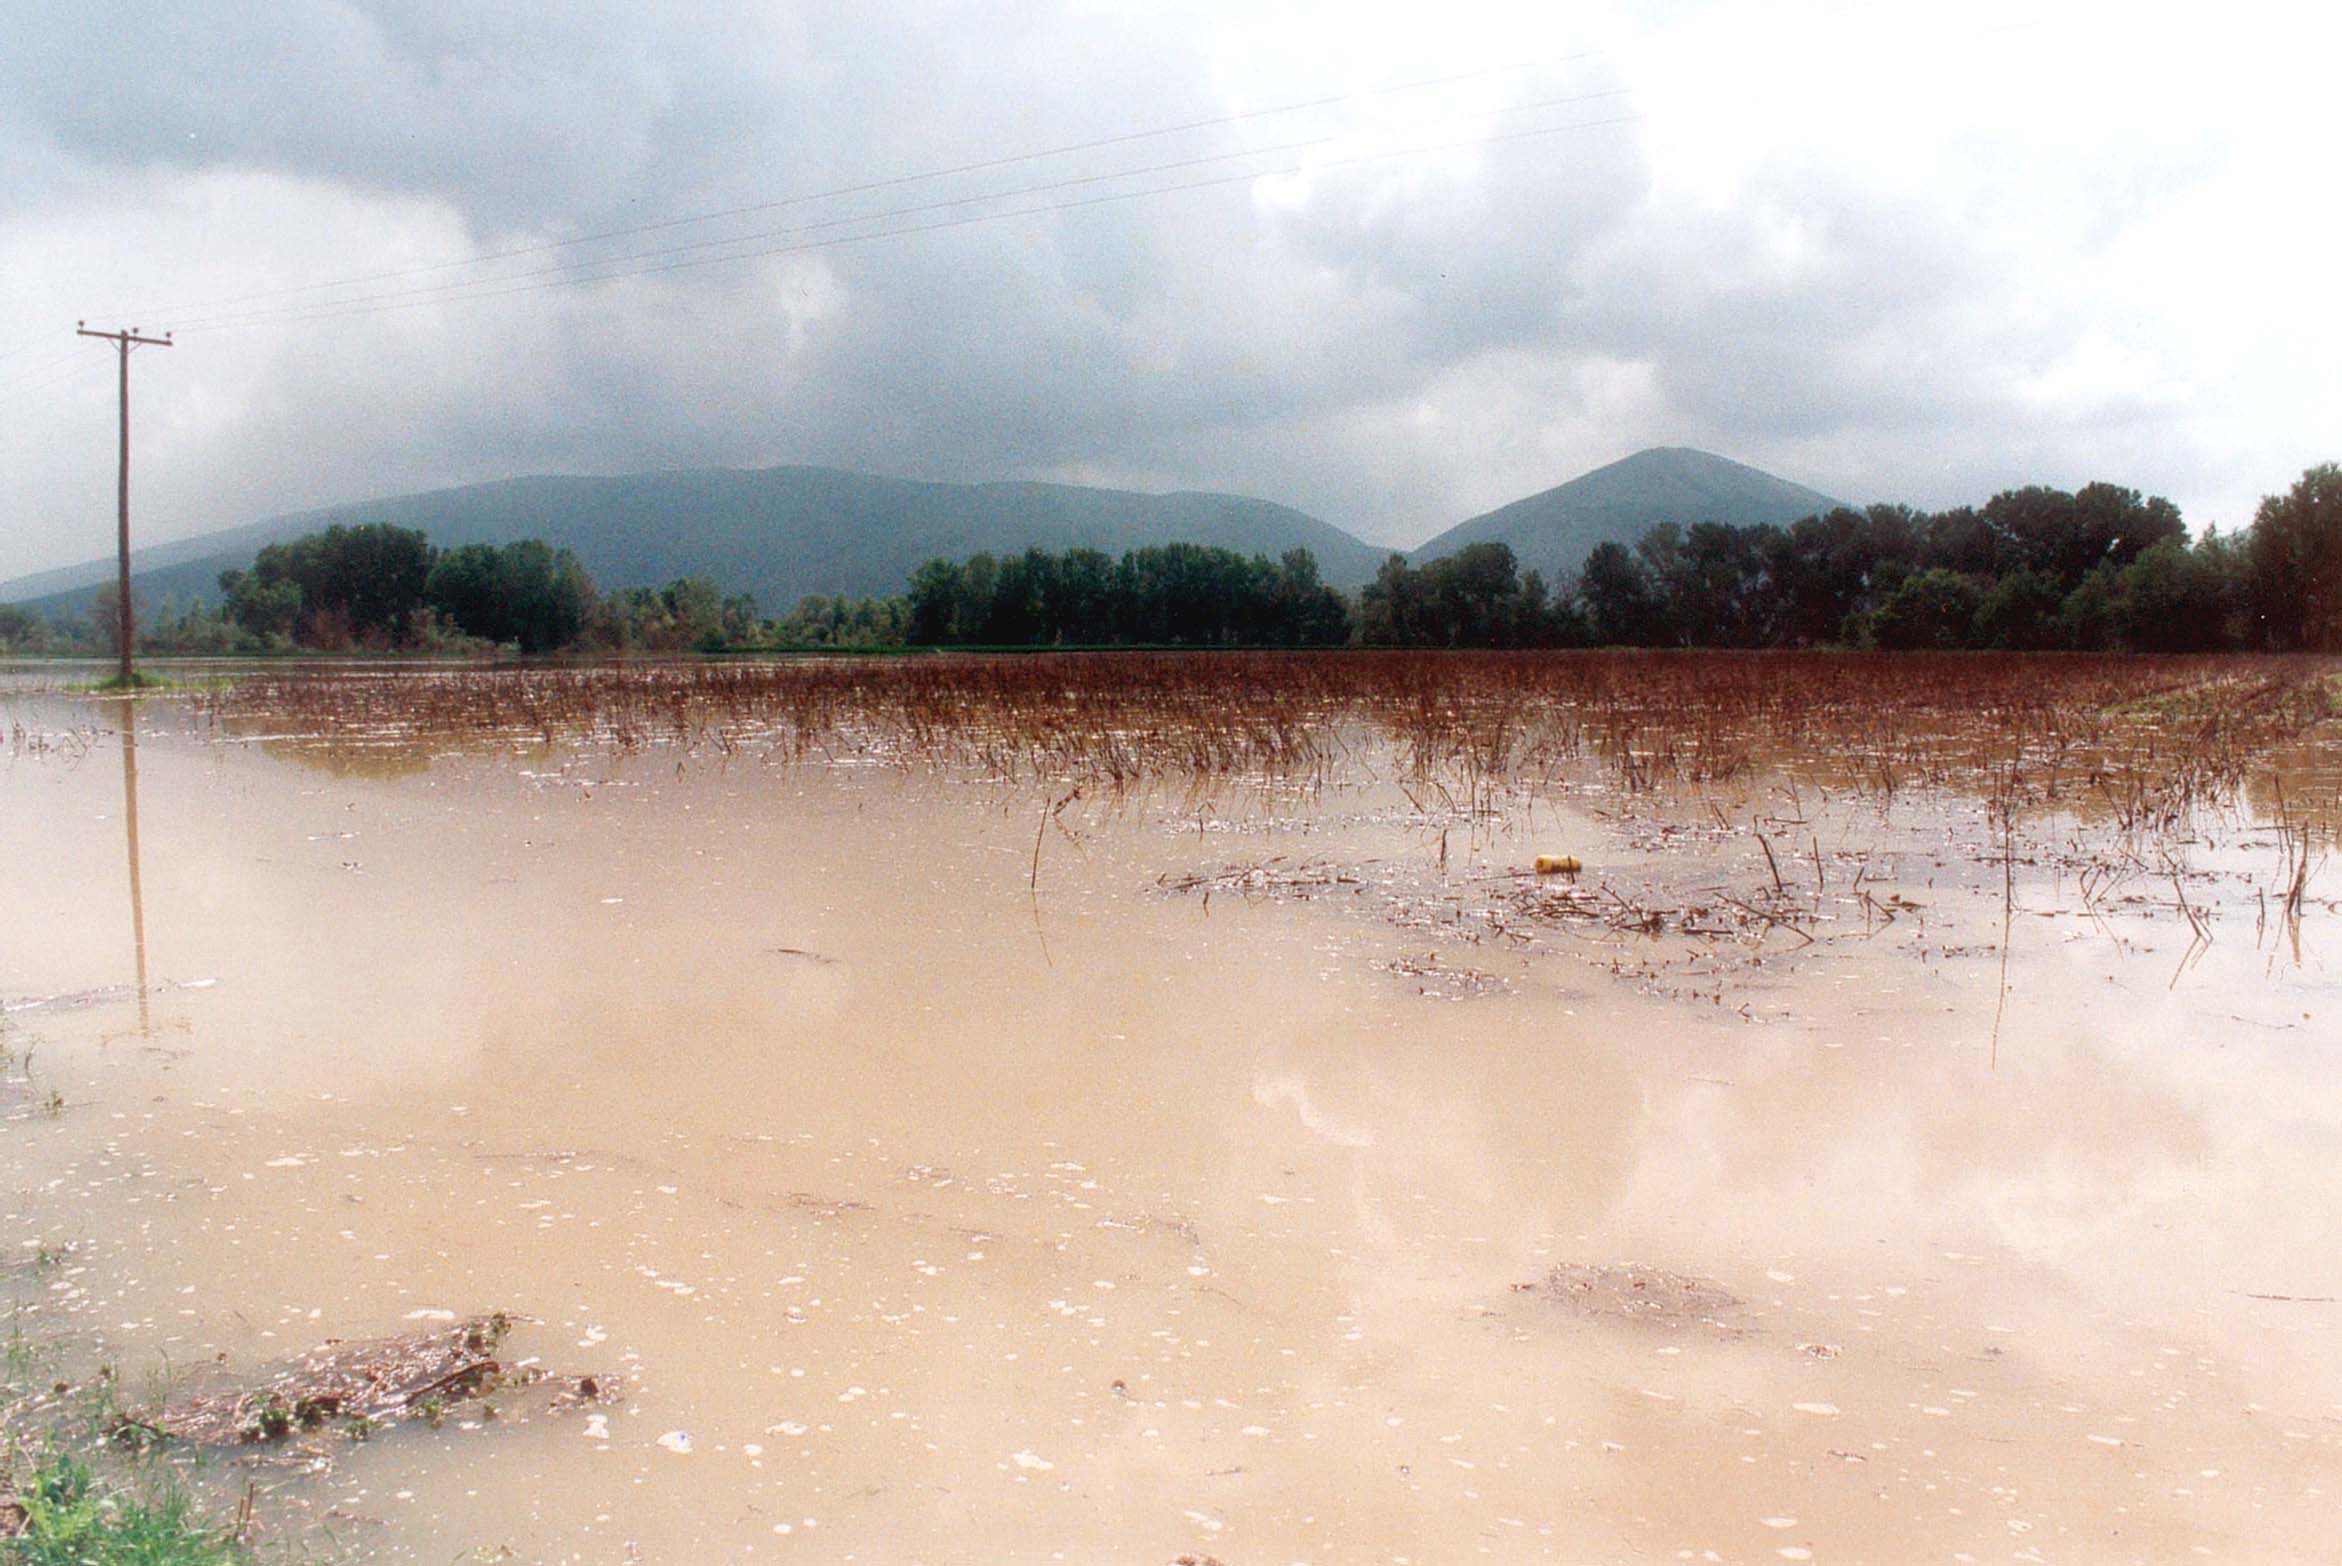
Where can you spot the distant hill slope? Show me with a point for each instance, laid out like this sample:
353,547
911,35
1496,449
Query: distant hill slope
1555,530
778,533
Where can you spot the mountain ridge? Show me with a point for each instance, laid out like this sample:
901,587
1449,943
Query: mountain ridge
781,533
1555,529
778,533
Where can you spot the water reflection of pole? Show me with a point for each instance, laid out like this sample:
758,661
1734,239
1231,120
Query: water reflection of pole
130,824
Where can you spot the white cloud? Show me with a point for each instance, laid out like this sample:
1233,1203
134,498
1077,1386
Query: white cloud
1888,252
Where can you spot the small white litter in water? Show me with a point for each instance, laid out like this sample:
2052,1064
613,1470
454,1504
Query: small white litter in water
1028,1460
676,1441
429,1313
1825,1410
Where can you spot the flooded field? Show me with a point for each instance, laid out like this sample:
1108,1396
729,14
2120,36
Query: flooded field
954,1120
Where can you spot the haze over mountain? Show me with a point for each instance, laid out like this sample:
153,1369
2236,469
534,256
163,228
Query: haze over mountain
776,533
1554,530
781,533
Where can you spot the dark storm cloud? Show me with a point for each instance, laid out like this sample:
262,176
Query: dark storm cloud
514,123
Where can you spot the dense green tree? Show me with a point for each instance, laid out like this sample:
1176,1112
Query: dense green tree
355,584
1814,577
1304,611
937,588
1077,597
689,614
1476,597
267,609
2225,577
1716,590
1021,591
2062,538
979,586
1958,540
466,585
547,595
527,593
1895,540
1622,605
700,617
1560,617
1660,551
2172,598
820,621
1172,594
1394,609
2019,613
2295,556
2114,524
193,631
1184,595
23,633
2086,620
1932,610
1822,571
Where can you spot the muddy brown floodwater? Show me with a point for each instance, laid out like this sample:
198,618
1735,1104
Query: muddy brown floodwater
925,1201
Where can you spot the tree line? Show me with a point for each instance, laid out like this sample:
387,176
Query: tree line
381,588
1186,595
2032,569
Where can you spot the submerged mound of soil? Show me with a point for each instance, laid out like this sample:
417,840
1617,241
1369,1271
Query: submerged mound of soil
1643,1296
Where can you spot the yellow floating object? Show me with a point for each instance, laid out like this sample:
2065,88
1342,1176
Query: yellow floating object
1558,864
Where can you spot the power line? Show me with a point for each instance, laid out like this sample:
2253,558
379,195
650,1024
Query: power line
80,364
869,186
461,289
489,290
31,343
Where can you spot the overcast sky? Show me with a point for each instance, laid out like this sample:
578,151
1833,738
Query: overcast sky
1427,257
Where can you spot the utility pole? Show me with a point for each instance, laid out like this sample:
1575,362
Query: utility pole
125,627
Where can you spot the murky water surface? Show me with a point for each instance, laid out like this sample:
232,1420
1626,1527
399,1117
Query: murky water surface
930,1195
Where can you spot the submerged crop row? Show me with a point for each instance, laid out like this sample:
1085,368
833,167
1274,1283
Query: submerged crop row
2143,739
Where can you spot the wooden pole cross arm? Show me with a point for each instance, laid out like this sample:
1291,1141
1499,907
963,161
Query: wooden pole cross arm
81,329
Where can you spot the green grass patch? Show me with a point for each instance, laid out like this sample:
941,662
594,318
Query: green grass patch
63,1516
